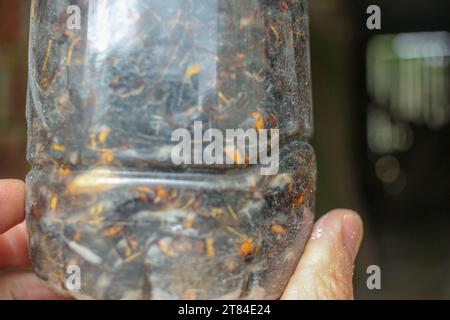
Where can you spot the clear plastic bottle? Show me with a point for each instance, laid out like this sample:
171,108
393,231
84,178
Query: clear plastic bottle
110,81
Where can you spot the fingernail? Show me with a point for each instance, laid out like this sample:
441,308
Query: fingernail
352,233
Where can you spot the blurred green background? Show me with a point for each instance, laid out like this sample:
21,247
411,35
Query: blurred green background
382,110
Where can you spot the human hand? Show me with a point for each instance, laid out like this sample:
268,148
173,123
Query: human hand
325,270
14,247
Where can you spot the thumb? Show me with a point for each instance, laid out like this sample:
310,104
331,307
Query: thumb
325,270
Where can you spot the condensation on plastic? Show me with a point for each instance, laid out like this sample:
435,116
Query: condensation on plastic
102,104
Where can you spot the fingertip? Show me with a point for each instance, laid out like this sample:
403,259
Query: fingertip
341,225
11,186
325,269
12,203
339,214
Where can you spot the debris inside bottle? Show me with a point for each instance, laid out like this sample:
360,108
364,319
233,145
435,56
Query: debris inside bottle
103,193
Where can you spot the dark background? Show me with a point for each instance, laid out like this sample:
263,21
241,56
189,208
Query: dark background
403,195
